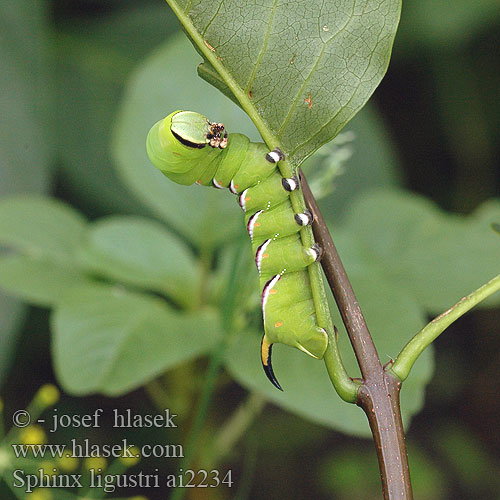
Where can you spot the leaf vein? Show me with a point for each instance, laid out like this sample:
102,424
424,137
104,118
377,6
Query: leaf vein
311,73
263,47
297,148
213,18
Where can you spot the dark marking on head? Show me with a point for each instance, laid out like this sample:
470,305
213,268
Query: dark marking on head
187,143
265,351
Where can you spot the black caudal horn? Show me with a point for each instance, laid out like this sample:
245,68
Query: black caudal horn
265,353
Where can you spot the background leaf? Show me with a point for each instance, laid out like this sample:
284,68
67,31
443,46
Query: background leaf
140,252
41,227
38,279
439,257
46,233
111,341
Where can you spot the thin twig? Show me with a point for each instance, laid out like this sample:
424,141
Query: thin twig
233,429
359,335
409,354
378,395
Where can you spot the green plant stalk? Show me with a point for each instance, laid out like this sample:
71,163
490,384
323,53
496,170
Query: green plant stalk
228,313
341,381
346,388
234,428
412,350
195,431
157,394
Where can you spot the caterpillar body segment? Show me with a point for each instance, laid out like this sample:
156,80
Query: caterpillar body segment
267,223
189,149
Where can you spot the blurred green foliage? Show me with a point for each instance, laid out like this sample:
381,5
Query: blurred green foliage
81,84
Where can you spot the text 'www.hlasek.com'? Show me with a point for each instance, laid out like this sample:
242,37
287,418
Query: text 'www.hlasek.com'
89,464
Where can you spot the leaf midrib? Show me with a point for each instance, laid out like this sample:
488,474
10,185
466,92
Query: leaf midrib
266,133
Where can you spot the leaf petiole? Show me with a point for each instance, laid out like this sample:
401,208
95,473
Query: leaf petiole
409,354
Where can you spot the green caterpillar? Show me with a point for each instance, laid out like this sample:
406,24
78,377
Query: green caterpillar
176,145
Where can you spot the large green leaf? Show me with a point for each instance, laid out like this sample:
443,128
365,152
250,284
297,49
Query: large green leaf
41,227
140,252
111,341
38,279
301,70
437,256
46,234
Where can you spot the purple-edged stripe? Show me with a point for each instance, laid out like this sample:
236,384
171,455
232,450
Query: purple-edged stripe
216,184
251,223
260,253
241,200
265,293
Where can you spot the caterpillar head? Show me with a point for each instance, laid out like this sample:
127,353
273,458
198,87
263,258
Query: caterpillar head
176,145
194,130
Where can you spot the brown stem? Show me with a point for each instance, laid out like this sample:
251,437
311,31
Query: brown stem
379,392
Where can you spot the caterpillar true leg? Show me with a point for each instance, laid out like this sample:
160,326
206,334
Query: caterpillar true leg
177,145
